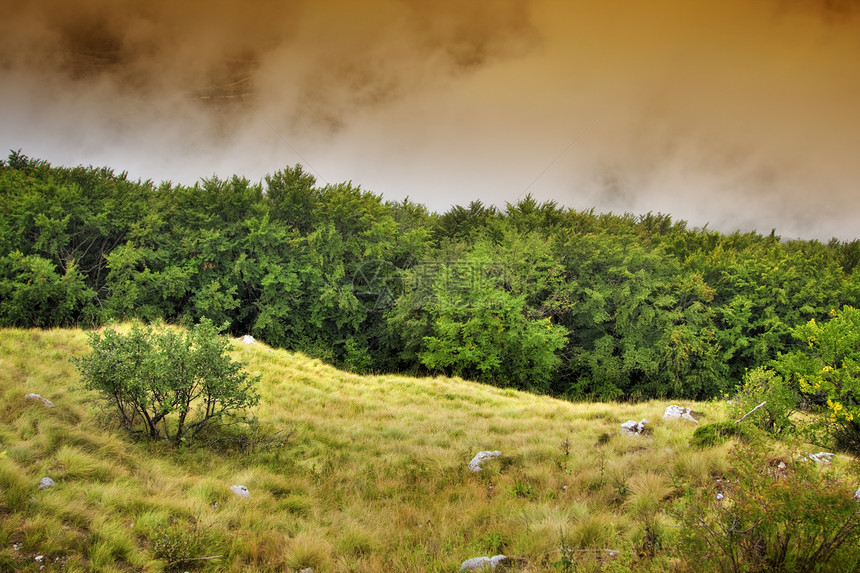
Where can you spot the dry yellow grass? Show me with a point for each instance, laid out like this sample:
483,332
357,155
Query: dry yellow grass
371,477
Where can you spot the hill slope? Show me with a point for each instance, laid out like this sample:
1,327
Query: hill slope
349,473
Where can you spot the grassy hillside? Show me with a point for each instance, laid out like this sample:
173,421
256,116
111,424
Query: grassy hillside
355,473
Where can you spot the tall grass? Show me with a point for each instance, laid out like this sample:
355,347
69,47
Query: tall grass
349,473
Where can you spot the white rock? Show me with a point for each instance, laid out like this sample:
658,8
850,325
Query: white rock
824,458
857,494
240,490
633,428
46,482
678,412
478,563
47,402
480,457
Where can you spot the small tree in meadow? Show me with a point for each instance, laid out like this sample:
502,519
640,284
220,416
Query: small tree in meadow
174,384
828,370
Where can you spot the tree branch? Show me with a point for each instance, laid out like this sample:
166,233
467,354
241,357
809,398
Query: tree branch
751,411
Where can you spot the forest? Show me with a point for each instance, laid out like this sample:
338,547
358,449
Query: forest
534,296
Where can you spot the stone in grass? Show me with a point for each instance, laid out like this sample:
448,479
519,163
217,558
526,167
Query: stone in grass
240,490
481,457
824,458
45,401
46,482
678,412
633,428
482,563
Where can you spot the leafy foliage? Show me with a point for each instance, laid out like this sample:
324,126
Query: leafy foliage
764,386
828,369
574,303
641,328
173,384
33,293
776,515
460,319
484,334
709,435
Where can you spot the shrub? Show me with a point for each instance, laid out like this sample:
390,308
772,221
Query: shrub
181,546
781,401
709,435
173,384
33,293
828,371
461,319
774,514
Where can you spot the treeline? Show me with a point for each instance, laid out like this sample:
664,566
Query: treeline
535,296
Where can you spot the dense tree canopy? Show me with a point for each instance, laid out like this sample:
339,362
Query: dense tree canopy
533,296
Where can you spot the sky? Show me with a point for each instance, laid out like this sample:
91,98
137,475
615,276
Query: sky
738,114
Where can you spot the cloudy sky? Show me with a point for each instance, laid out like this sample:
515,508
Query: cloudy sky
742,114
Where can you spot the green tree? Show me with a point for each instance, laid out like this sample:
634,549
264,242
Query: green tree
459,223
173,384
762,289
290,197
459,319
771,396
34,294
827,369
528,216
640,326
71,216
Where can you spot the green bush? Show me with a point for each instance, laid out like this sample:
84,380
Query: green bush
173,384
177,545
827,370
709,435
461,321
781,401
772,514
34,294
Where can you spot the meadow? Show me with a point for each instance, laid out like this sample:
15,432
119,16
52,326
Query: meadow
351,473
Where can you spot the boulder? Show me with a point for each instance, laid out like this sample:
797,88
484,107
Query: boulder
482,563
633,428
46,482
679,412
45,401
480,457
240,490
247,339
